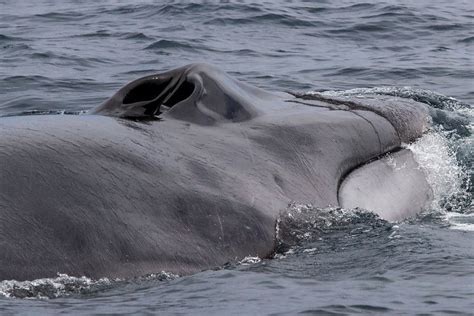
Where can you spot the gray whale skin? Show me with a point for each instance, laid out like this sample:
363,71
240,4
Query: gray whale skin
189,169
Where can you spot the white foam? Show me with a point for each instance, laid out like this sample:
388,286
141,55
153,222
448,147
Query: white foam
48,287
461,221
435,155
65,285
249,260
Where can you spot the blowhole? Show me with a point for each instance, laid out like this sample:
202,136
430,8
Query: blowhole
146,91
184,91
158,102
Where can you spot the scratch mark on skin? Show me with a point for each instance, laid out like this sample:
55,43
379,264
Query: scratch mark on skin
220,224
249,147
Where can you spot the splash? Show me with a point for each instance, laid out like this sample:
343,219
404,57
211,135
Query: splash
301,225
249,260
447,178
64,285
445,152
162,276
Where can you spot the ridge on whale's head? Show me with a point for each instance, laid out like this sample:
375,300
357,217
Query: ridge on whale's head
199,93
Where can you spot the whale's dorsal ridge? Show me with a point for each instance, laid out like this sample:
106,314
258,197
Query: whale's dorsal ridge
409,118
198,93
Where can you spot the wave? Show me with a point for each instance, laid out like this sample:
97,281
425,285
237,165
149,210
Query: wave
276,18
64,285
170,44
136,36
97,34
62,16
6,38
469,39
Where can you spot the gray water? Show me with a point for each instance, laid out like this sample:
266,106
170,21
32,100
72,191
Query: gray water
69,56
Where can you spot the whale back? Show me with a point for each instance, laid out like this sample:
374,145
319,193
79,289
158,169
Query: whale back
184,171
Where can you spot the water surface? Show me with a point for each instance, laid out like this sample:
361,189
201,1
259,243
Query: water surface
71,55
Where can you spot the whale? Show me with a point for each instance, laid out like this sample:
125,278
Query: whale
189,169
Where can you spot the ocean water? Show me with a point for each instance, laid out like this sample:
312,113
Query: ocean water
69,56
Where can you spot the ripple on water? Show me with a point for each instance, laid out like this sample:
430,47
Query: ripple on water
70,57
